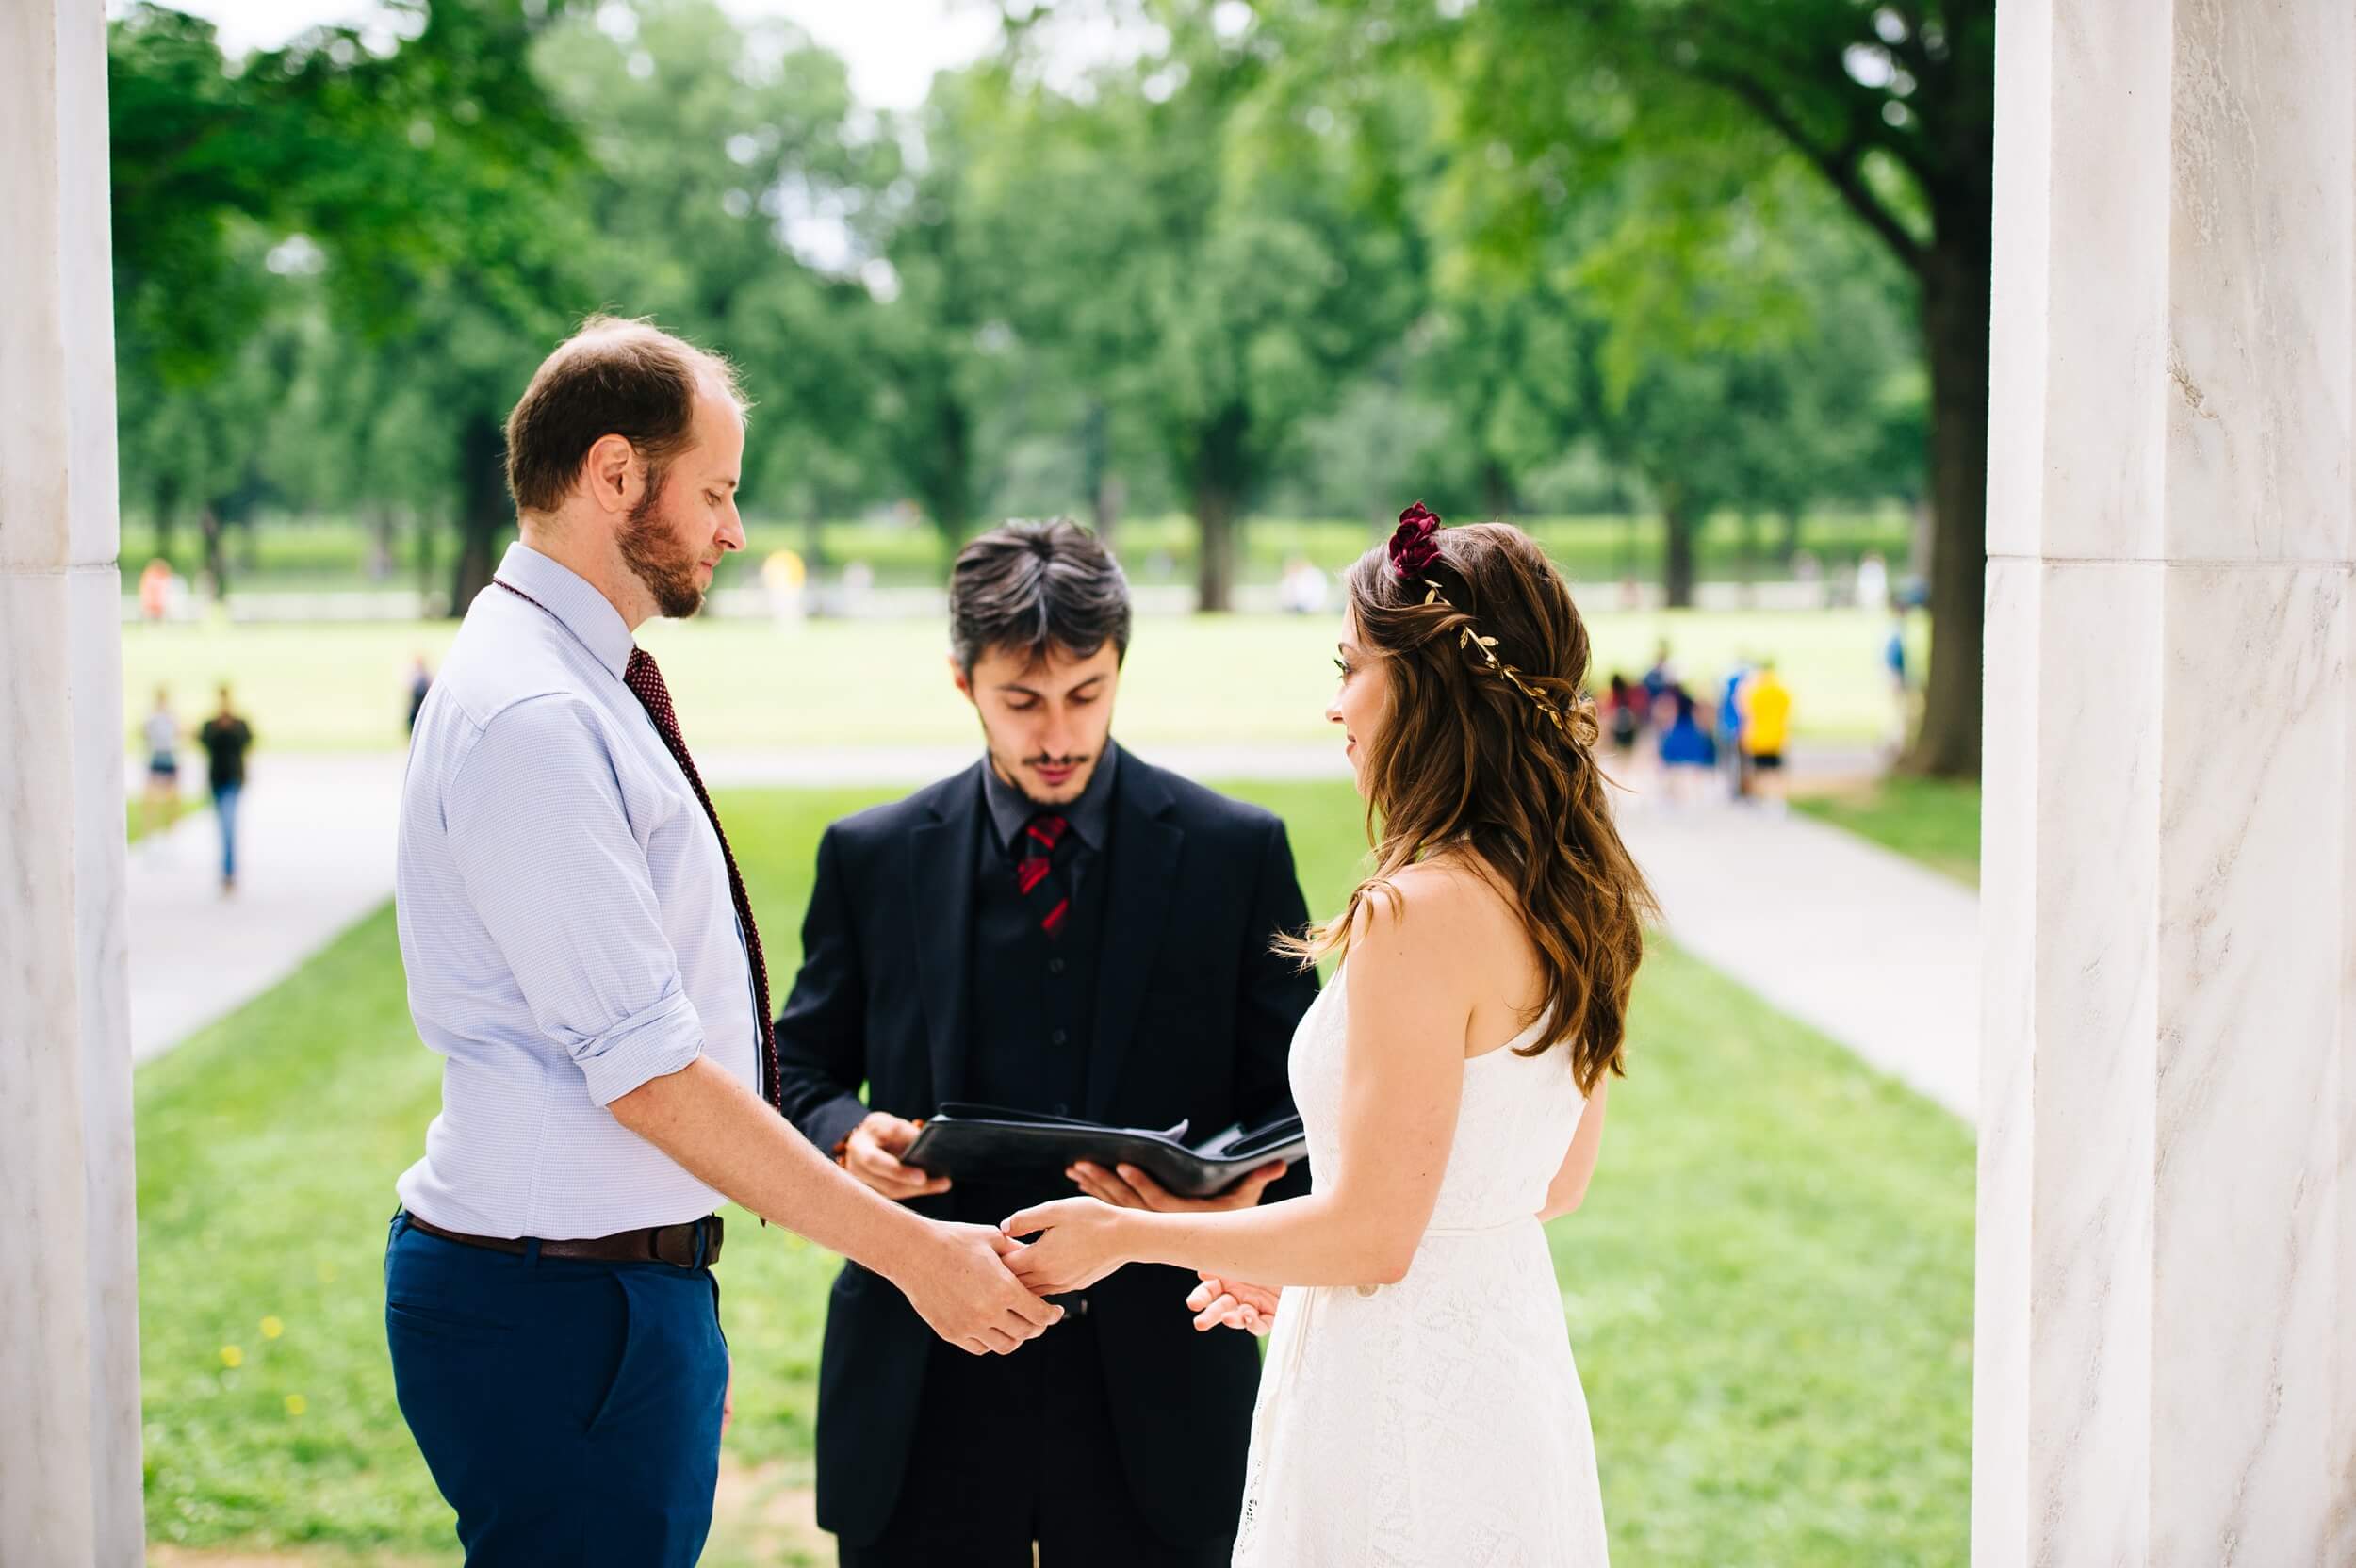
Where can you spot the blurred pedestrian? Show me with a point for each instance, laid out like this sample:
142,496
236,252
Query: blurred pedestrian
1686,752
160,803
1766,732
420,682
155,581
226,737
1732,755
1660,679
784,575
1901,690
1623,717
1872,582
1302,588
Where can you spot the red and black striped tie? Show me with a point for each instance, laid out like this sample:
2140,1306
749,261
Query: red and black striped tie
646,684
1036,874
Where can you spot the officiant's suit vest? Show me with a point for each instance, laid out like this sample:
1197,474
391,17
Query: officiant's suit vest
1032,996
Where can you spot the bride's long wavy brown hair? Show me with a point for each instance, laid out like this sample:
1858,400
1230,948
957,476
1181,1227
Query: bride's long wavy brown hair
1465,753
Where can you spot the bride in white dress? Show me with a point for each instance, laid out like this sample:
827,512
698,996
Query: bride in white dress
1420,1407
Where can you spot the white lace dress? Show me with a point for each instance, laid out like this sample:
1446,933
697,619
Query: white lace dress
1438,1422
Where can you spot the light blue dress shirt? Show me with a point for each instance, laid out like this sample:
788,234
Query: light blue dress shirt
565,921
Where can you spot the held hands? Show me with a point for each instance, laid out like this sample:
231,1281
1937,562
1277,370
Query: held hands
1081,1244
1081,1239
1233,1303
1130,1188
961,1286
872,1151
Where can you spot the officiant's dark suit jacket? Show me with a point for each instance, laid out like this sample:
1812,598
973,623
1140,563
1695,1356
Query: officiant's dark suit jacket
1192,1017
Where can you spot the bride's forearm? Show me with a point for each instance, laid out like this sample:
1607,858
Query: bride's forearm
1315,1240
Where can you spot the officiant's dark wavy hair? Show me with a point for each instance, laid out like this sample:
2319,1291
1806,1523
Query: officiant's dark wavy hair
1499,752
1028,586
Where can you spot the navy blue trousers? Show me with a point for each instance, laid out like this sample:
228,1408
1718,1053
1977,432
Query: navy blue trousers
569,1411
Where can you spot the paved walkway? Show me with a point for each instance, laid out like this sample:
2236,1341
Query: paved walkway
1865,945
315,852
1876,952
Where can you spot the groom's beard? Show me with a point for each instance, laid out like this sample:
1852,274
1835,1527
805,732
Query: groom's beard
656,557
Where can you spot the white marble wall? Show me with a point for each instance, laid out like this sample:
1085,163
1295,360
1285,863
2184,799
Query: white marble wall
2166,1292
69,1320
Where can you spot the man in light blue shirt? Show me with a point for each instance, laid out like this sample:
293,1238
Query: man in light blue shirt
581,952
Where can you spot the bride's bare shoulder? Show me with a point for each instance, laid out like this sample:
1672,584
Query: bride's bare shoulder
1434,905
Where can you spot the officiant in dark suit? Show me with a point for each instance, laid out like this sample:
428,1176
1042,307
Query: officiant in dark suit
1061,928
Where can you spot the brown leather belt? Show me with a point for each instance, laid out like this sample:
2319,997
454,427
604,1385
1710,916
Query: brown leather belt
681,1246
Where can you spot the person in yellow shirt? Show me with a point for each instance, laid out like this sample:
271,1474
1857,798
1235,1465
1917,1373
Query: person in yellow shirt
1766,704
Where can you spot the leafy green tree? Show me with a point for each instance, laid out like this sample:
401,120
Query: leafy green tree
712,143
1891,106
1221,284
386,162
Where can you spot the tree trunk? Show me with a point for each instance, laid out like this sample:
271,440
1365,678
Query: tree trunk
948,470
1106,504
423,519
815,533
167,502
1496,490
1214,567
482,510
1955,331
1676,557
216,557
1790,549
1096,479
1216,482
384,536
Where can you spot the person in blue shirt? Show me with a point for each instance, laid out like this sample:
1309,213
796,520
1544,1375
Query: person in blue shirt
1730,727
1686,752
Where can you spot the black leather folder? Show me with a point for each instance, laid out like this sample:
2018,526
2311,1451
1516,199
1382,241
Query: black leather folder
990,1142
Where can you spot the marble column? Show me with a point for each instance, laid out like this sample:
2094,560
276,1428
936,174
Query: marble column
69,1481
2166,1368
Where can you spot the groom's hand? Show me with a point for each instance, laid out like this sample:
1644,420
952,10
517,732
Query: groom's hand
960,1287
872,1151
1128,1187
1235,1303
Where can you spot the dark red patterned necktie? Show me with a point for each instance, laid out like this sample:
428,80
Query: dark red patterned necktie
646,684
1034,874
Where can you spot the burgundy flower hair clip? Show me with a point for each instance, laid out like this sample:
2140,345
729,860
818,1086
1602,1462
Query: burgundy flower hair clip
1415,558
1413,548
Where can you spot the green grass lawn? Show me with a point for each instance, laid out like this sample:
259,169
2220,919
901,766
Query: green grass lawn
1226,679
1935,821
1768,1288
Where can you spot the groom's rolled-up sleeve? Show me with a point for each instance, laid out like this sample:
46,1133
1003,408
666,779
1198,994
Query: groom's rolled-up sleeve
537,826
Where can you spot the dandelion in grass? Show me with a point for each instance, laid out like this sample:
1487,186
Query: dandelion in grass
272,1327
231,1357
296,1404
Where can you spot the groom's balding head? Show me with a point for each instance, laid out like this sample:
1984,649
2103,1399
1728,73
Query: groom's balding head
612,377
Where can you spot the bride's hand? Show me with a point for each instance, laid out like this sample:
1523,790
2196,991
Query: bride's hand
1235,1304
1079,1243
